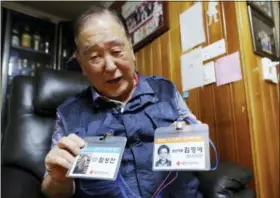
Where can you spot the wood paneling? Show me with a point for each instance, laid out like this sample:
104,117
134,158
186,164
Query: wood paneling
243,116
263,112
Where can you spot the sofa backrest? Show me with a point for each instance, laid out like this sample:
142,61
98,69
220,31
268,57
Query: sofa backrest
31,116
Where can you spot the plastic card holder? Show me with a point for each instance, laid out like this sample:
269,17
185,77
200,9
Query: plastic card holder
99,159
182,149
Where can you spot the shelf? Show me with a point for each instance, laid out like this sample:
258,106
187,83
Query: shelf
30,50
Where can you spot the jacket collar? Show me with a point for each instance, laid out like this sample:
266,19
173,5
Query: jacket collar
142,88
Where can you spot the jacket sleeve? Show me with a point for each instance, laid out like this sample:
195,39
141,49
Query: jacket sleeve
182,108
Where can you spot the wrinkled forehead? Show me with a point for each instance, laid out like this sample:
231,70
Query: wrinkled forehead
100,29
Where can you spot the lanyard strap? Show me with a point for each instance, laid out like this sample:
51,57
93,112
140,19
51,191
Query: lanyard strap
123,184
193,121
119,181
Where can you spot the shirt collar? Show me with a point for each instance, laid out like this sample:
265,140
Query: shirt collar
96,96
142,88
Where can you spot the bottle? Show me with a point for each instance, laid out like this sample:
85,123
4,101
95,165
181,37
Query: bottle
36,41
26,38
13,63
47,46
19,65
24,70
15,36
38,65
24,63
32,70
64,51
33,66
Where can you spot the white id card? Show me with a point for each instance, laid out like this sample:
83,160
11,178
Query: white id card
183,149
99,159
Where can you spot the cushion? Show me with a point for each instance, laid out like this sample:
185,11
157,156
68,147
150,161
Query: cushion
228,179
28,136
53,87
17,183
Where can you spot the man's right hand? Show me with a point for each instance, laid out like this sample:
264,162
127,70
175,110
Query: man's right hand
61,157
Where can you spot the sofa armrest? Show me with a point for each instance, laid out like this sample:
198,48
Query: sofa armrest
17,183
226,181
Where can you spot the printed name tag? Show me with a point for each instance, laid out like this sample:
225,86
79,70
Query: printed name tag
99,159
184,149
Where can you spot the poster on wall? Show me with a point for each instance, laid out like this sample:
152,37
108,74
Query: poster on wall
145,20
263,34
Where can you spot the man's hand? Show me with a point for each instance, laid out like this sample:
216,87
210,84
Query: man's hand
179,124
61,157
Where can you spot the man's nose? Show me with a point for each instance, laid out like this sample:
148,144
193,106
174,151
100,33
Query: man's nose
110,65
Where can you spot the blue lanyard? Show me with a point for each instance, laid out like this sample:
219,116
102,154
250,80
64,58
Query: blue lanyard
121,182
193,121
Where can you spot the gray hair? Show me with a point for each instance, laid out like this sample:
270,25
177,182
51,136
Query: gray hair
97,11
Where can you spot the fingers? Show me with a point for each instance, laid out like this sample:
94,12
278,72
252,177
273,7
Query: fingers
62,162
69,144
80,142
179,124
56,157
65,155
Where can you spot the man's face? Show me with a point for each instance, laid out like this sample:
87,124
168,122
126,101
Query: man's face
163,154
83,162
106,56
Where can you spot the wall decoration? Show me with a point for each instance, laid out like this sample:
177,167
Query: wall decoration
212,12
263,34
145,21
265,7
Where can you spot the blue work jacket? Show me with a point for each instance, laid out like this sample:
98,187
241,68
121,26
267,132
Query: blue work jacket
154,103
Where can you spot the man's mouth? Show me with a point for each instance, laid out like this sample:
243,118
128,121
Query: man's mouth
114,81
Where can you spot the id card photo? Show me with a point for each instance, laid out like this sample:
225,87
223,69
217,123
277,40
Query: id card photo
179,153
163,157
81,166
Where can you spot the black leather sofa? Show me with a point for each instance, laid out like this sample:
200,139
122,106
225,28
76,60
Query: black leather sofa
27,139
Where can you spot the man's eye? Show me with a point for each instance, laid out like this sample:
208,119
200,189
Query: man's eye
116,52
94,57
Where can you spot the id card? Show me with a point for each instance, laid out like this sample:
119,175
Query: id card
99,159
183,149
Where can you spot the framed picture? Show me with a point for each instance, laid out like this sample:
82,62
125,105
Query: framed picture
145,20
265,7
263,35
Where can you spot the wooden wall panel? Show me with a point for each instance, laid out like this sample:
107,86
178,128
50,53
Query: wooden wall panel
243,116
263,112
165,58
240,121
156,58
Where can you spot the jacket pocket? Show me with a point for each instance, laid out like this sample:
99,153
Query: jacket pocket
162,114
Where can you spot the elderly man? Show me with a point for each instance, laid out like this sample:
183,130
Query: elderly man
119,100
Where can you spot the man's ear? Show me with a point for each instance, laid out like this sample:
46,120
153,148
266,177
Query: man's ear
80,61
131,49
133,54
